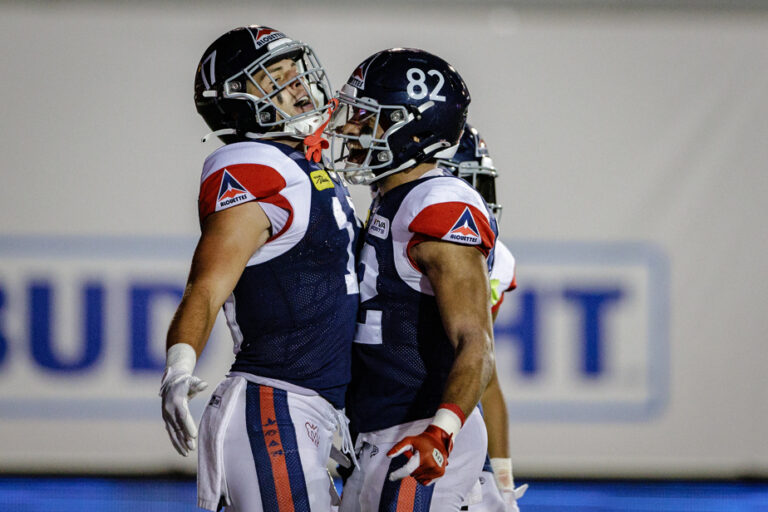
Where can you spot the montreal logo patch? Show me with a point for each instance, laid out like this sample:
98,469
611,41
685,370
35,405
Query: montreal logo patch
358,76
230,191
464,230
265,36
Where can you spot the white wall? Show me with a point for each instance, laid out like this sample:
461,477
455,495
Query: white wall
631,147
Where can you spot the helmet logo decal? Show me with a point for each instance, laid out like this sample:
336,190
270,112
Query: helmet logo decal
358,76
464,230
210,63
230,191
265,35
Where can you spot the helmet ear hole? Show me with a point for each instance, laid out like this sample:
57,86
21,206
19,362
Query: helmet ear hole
396,116
415,112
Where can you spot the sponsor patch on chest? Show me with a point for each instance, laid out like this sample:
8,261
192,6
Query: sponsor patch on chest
379,226
321,180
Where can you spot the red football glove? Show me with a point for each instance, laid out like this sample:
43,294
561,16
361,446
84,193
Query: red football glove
427,455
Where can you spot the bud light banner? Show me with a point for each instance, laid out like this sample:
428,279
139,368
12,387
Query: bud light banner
585,335
83,323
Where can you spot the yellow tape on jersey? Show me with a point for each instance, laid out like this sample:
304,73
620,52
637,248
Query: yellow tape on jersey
321,180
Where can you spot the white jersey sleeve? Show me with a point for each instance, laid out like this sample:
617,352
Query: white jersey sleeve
442,208
248,171
503,274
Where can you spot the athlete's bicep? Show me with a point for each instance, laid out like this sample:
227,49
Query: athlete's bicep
459,279
228,240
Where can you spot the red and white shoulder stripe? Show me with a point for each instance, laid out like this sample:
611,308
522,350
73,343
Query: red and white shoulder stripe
442,208
448,209
250,171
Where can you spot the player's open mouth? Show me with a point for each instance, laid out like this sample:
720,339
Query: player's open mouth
303,104
357,153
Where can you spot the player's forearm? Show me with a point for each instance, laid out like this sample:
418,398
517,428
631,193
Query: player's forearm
194,319
496,419
471,371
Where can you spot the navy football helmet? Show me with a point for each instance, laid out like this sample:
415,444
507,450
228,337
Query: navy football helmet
242,91
473,163
400,107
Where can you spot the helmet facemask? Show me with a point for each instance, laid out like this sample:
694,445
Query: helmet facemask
257,85
359,156
481,174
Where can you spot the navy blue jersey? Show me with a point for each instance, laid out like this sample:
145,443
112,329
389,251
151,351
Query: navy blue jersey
292,313
402,355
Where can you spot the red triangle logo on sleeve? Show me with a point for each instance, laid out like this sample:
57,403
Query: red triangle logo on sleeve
464,230
231,191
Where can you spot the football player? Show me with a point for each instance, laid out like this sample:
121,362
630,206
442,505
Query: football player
495,491
423,351
277,253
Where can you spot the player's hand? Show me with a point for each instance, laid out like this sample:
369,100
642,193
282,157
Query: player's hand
502,471
427,455
177,388
512,495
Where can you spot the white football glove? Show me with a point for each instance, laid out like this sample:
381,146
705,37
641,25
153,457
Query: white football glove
511,497
502,471
176,389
